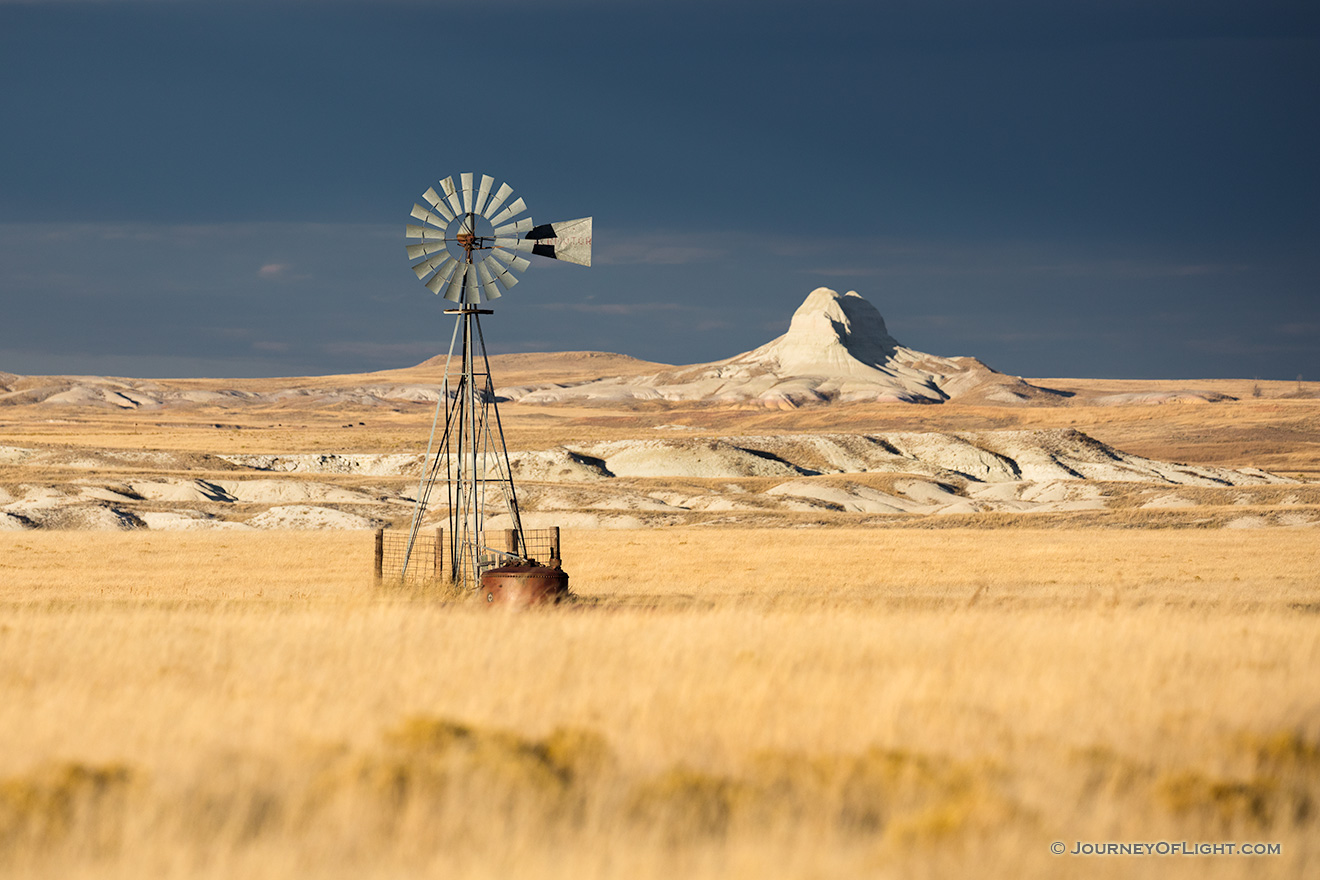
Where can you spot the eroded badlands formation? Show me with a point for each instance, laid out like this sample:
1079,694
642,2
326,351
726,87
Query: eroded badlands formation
796,478
836,352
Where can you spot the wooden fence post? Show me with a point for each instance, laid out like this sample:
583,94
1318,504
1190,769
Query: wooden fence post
439,567
554,543
380,555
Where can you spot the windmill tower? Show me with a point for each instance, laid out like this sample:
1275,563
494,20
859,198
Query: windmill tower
468,248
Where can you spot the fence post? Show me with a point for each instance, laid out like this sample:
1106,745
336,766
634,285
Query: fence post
554,544
380,555
439,560
511,541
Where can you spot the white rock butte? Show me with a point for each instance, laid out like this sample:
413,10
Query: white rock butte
831,334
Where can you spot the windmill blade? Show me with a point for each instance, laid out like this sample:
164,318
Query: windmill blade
471,292
467,192
508,213
425,233
434,200
501,194
504,274
454,292
567,240
427,217
486,182
427,266
421,250
494,268
451,195
514,228
484,271
515,263
488,285
441,278
515,244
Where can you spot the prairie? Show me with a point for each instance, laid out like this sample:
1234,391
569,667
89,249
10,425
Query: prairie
719,702
821,694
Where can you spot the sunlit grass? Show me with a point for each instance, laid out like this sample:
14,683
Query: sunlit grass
789,703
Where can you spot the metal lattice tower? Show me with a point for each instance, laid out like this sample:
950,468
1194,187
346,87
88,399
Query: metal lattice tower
470,240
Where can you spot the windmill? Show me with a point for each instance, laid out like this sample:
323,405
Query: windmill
468,248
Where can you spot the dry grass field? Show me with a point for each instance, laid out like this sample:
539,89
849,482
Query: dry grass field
801,703
837,696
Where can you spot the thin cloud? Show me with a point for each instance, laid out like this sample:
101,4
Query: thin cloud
881,260
188,233
1135,269
411,352
614,308
841,272
658,248
1302,328
1236,347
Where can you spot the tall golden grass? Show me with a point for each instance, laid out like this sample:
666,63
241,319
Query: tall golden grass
776,703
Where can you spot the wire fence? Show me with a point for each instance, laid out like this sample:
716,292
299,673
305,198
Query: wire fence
429,560
542,545
432,556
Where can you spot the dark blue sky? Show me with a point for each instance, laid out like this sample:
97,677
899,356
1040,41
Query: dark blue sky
1117,189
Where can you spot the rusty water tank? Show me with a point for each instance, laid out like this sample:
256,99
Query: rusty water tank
520,586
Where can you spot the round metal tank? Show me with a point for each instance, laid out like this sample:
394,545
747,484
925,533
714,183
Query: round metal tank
520,586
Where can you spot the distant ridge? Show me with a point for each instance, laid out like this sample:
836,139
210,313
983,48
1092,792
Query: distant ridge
837,349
